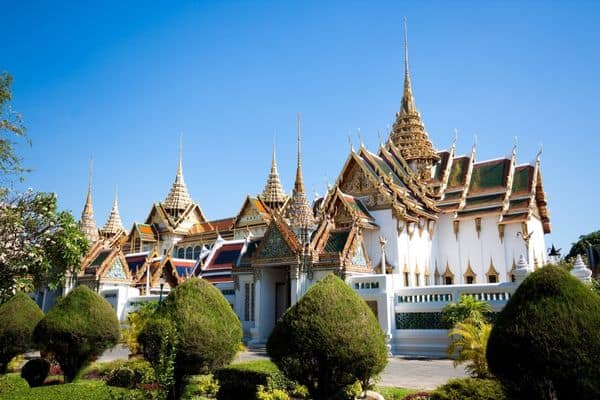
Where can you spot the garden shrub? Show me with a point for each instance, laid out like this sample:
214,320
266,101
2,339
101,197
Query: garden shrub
207,331
241,381
77,329
469,389
136,321
546,341
200,385
328,340
122,377
18,317
35,371
271,394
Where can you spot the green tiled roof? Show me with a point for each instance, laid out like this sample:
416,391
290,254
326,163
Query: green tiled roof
458,172
492,198
100,258
336,242
489,175
522,179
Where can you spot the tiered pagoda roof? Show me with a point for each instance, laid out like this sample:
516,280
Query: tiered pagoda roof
114,225
87,223
273,194
178,199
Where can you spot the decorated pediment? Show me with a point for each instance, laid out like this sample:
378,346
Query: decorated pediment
357,183
116,270
275,245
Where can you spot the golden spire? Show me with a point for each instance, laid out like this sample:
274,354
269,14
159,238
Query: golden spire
408,132
273,194
178,198
87,223
113,225
298,211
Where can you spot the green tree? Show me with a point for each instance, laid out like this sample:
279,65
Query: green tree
77,329
38,243
328,340
207,331
468,308
18,316
11,128
581,246
469,343
137,320
545,343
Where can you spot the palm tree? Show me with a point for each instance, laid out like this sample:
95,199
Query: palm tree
466,309
469,343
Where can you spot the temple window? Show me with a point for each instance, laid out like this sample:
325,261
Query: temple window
448,280
417,278
406,279
249,302
181,253
492,278
470,280
189,253
197,250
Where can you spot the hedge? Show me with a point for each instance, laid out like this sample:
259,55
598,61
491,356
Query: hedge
241,381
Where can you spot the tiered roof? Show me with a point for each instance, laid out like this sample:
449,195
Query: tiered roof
178,199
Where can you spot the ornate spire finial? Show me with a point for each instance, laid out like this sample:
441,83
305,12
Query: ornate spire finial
298,211
87,223
273,194
360,141
408,132
350,142
113,225
178,198
379,140
455,138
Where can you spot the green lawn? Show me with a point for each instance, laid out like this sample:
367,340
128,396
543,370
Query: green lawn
13,387
393,393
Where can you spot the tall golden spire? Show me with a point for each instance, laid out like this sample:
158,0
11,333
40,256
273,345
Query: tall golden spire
178,198
298,211
408,132
113,225
273,195
87,223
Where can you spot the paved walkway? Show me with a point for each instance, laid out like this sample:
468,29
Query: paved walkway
403,372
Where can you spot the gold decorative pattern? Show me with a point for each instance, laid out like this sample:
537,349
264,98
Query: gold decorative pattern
478,227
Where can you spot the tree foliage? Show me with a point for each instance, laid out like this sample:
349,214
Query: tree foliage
18,317
468,308
468,341
77,329
581,246
207,333
11,128
137,319
38,244
328,340
545,343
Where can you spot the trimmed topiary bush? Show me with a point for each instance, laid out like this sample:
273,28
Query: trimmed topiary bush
207,331
131,374
469,389
328,340
546,341
35,371
241,381
78,329
18,317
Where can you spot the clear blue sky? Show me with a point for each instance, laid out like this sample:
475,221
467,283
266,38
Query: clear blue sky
119,82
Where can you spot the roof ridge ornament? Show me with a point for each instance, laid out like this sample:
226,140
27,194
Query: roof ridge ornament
273,194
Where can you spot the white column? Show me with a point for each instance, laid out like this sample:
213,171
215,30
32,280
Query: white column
255,331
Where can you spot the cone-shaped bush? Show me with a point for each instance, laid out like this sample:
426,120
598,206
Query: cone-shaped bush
328,340
208,333
546,341
78,329
18,316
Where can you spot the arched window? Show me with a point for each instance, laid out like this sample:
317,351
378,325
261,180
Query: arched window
181,253
197,252
188,253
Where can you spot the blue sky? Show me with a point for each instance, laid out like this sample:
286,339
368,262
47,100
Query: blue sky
120,82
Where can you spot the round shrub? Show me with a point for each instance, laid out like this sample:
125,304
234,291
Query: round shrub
328,340
18,317
121,377
78,329
207,331
469,389
546,341
35,371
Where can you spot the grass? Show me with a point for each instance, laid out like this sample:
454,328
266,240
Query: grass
13,387
393,393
